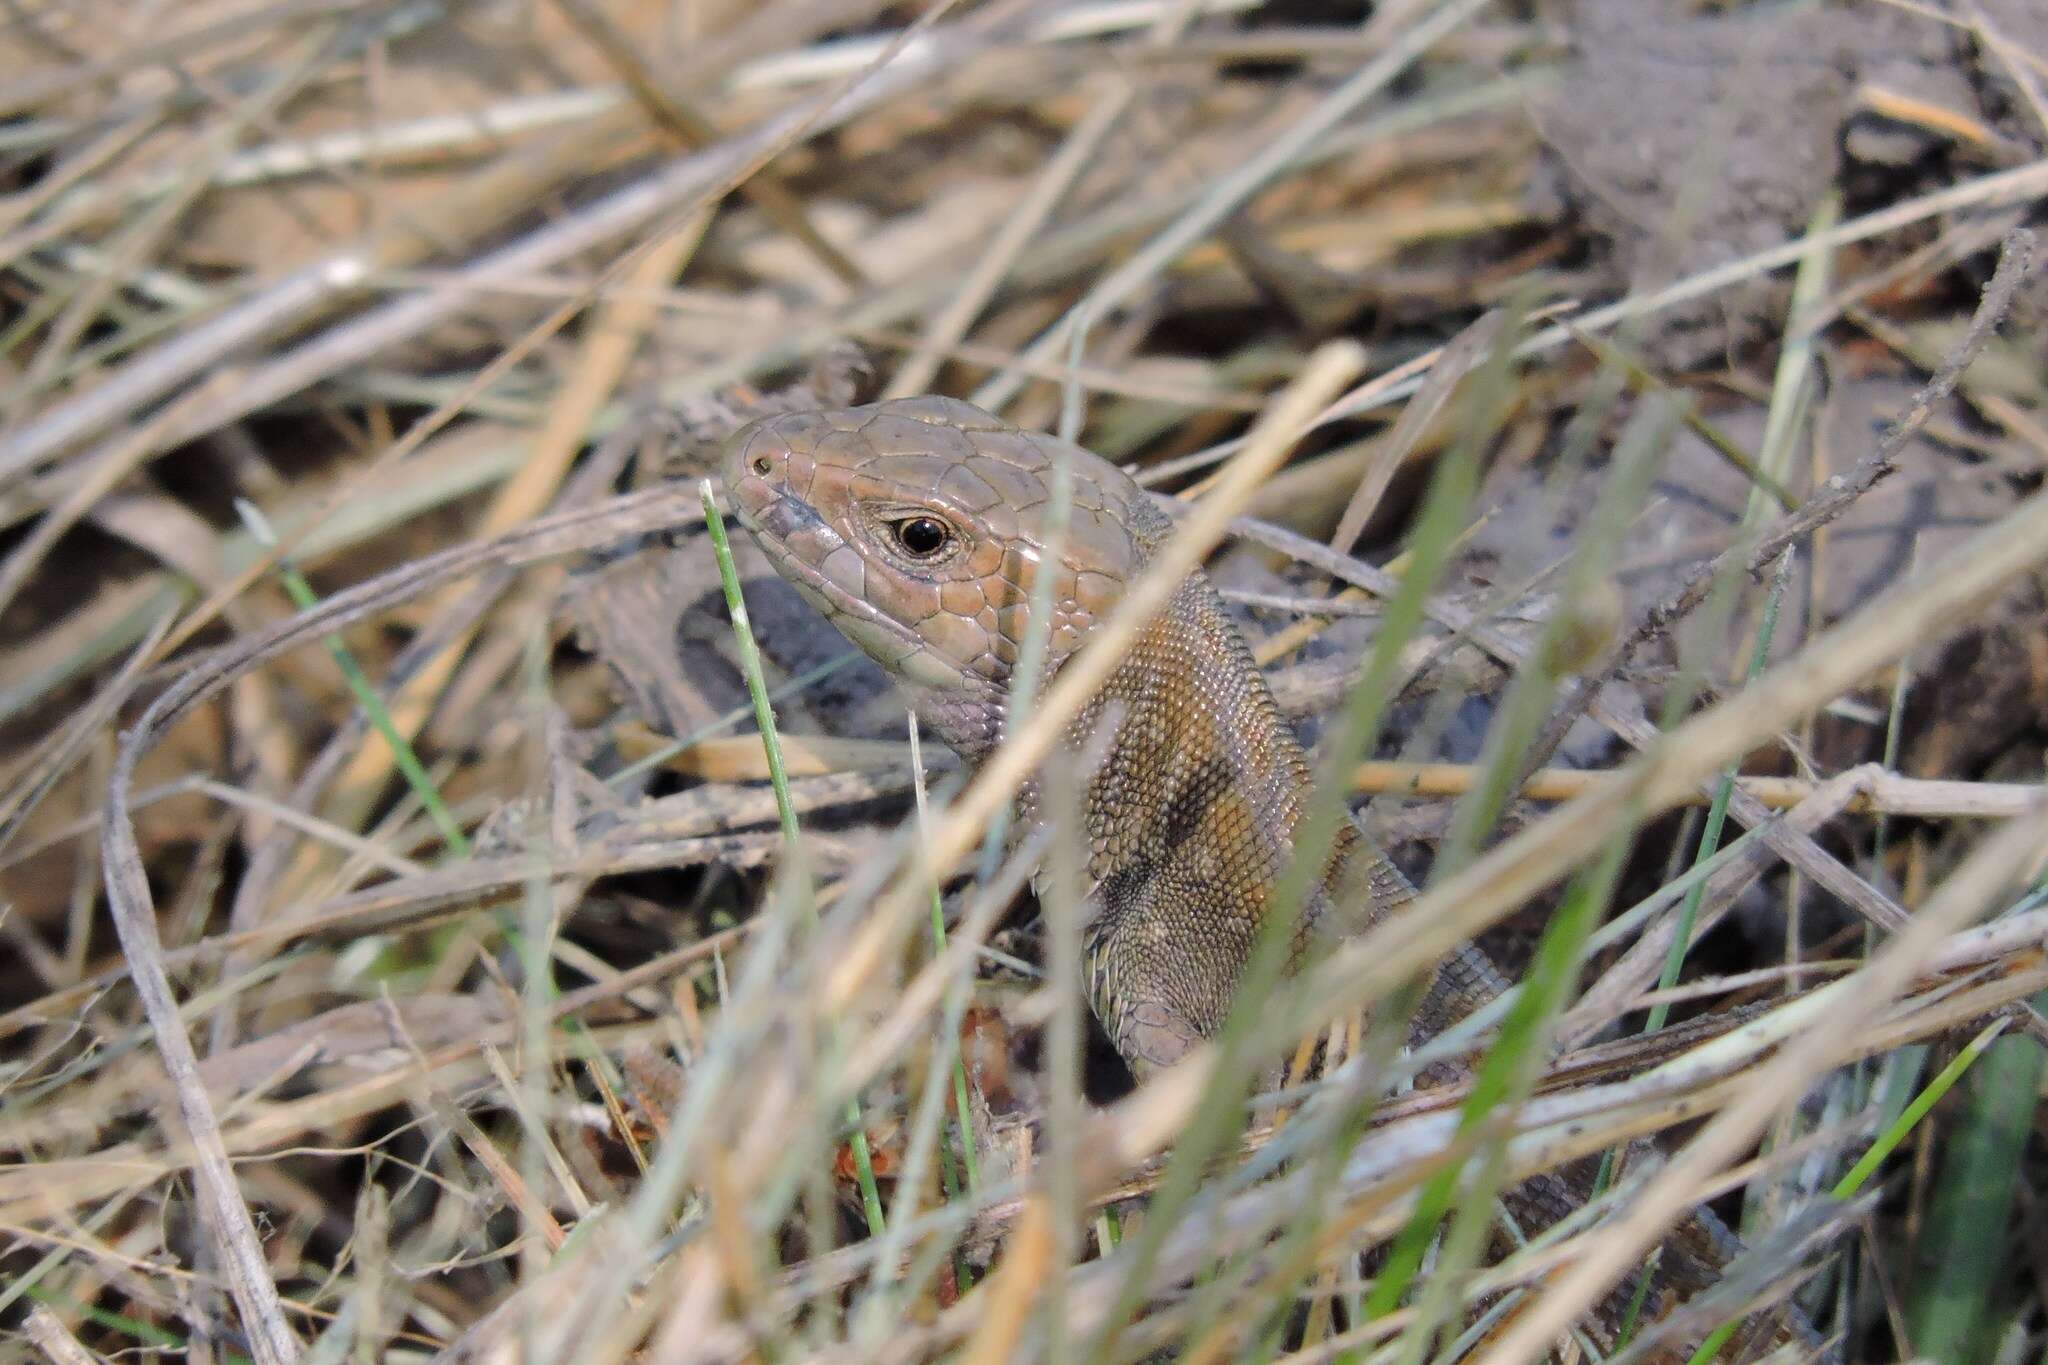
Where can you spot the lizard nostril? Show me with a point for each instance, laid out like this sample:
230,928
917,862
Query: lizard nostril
762,465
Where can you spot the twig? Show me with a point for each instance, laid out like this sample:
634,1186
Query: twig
1828,502
221,1209
1802,852
54,1339
1838,494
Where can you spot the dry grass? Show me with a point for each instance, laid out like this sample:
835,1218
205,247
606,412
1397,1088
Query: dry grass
481,1023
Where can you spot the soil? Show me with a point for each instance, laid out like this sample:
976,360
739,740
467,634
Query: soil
1686,140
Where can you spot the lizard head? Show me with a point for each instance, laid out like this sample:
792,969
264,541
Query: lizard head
919,527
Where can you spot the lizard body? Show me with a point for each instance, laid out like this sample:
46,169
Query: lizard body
919,528
1192,811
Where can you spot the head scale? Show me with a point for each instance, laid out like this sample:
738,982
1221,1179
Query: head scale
919,527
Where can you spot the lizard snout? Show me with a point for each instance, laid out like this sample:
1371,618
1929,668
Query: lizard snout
755,466
769,473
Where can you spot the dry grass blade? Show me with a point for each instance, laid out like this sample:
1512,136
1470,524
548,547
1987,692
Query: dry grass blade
691,181
133,910
1459,357
617,333
1225,198
226,1216
50,1336
1992,871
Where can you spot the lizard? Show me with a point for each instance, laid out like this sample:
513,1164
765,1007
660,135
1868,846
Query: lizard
918,527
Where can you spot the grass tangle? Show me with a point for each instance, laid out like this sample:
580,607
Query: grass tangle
1647,528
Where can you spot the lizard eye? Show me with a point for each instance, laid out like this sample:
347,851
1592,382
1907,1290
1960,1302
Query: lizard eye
763,465
921,537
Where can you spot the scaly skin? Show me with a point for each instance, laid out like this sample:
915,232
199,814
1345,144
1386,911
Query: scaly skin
919,528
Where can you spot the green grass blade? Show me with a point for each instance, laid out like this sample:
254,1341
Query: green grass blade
1929,1096
1966,1252
1717,811
408,762
778,779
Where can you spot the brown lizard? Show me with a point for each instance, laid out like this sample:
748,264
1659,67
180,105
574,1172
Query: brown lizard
918,527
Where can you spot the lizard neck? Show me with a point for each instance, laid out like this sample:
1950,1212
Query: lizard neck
971,724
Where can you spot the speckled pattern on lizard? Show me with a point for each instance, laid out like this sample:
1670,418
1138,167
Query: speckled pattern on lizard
919,527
